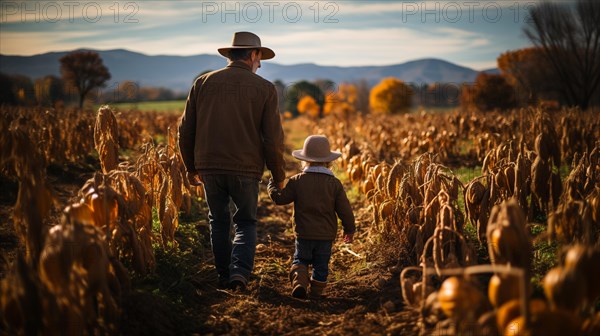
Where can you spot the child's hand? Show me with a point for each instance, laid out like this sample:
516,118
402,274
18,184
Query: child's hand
272,184
348,238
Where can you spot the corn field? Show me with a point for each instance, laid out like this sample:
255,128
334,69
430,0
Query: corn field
415,201
73,273
467,244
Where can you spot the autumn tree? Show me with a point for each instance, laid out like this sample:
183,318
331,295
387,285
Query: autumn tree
325,85
22,90
295,92
489,92
391,95
527,71
153,94
128,91
341,100
6,93
16,90
84,71
49,90
467,91
309,107
570,39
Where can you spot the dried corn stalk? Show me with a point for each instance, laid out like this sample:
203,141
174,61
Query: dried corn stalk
26,304
106,139
34,199
76,269
75,290
124,216
508,240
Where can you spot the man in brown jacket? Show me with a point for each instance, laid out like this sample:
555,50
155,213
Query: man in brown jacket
229,130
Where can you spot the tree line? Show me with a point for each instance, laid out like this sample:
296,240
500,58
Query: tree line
83,77
561,68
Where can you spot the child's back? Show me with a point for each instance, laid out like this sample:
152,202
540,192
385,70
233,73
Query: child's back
319,199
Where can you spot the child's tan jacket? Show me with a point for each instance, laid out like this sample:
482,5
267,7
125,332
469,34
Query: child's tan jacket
318,198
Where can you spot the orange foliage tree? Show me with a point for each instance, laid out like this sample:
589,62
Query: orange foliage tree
308,106
391,95
341,101
530,73
489,92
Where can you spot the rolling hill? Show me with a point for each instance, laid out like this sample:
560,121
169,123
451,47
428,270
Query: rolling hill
178,72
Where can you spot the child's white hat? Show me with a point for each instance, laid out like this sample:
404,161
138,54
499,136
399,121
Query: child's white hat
316,149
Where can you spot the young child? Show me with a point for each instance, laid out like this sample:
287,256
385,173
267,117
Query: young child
318,196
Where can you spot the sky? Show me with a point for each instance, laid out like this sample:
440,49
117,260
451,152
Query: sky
342,33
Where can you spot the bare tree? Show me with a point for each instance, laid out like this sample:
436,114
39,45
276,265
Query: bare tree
570,38
84,71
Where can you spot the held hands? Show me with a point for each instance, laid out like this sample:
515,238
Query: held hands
348,238
194,178
279,185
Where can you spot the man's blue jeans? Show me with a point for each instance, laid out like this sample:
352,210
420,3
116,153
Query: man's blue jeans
219,189
316,253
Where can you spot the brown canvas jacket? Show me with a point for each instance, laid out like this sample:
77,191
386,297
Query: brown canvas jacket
231,124
317,198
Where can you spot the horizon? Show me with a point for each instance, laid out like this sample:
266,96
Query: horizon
269,61
470,34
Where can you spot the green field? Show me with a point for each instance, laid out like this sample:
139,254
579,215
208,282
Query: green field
161,106
179,105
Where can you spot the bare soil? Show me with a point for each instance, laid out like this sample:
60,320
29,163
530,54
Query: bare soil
181,297
362,298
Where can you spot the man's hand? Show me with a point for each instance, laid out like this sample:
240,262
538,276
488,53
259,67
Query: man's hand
279,185
348,238
194,178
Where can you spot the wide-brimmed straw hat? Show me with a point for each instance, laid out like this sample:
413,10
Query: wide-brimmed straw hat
247,40
316,149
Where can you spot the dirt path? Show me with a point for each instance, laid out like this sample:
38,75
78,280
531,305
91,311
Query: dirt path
363,296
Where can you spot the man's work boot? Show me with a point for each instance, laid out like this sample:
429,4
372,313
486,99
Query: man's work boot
317,288
237,282
299,279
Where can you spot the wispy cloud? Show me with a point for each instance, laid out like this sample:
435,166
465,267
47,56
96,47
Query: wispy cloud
30,44
364,33
372,46
411,8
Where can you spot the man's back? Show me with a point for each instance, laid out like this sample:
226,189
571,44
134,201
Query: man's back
237,122
230,128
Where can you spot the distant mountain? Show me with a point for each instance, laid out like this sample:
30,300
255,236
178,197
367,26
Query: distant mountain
178,72
175,72
492,71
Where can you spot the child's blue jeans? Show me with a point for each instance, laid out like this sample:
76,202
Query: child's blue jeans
316,253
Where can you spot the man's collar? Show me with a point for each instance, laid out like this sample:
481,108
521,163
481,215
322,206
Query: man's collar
239,64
